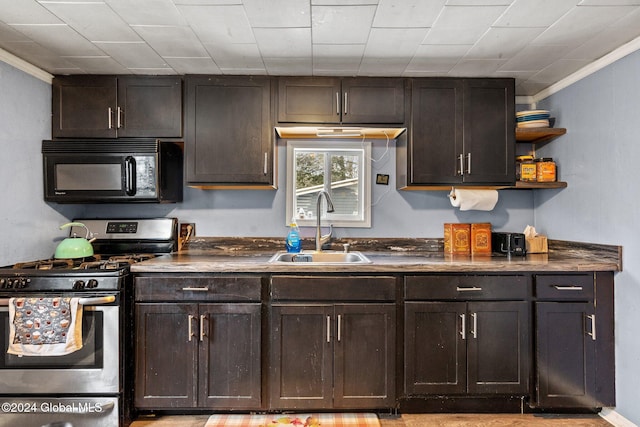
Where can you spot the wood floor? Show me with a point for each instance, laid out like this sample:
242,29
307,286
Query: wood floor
424,420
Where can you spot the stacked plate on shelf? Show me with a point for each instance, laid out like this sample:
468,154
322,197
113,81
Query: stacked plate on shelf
532,119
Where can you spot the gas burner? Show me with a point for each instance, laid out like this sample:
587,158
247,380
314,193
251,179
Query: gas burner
54,263
131,258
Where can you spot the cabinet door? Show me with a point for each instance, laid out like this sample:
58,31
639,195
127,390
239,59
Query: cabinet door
498,347
149,106
435,348
166,356
565,354
489,135
309,100
84,106
436,131
364,364
301,357
229,134
229,356
372,100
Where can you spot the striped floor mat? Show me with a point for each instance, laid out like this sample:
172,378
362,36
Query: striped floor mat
294,420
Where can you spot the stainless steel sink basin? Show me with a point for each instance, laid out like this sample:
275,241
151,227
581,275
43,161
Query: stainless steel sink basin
321,258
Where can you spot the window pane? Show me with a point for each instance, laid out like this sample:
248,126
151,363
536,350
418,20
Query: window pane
344,184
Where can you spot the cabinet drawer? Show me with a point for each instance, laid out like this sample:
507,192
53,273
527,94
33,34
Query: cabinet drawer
564,286
333,288
514,287
186,288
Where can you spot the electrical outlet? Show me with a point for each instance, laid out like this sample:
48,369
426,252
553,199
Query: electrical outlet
187,230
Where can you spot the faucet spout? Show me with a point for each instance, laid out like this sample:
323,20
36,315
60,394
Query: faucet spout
320,239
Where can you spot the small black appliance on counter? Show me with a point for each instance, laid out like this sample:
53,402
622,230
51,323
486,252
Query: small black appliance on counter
509,243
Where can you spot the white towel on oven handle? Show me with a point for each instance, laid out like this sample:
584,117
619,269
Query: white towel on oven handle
72,344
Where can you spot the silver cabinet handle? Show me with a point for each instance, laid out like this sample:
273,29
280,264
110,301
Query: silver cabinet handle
202,319
190,289
592,334
328,328
338,103
461,164
468,289
474,332
463,327
118,118
191,334
339,327
568,288
469,163
346,104
266,163
110,118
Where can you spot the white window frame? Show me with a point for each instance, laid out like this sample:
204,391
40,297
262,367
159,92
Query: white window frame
363,148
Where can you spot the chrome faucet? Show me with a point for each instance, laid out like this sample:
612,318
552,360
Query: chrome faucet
320,239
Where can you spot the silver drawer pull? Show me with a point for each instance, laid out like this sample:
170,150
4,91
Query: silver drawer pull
328,329
568,288
463,326
202,319
592,334
191,334
474,332
468,289
188,289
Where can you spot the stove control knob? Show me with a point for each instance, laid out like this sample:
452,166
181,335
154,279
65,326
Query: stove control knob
3,283
21,283
78,284
92,283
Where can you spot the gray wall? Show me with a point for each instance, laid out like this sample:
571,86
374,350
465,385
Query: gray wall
28,226
395,213
599,159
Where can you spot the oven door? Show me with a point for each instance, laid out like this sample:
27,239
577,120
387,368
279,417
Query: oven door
93,369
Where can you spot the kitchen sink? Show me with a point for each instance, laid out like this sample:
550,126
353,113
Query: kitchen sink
323,257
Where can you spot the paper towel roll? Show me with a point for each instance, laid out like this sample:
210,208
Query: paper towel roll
479,200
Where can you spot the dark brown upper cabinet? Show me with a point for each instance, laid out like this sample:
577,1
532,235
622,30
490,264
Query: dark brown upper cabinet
117,106
335,100
229,132
461,131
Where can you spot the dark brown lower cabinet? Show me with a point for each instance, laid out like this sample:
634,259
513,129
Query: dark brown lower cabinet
325,356
466,347
198,356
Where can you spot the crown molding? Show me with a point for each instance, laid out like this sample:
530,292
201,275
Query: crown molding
25,66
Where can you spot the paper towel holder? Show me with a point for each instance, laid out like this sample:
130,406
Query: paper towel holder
452,194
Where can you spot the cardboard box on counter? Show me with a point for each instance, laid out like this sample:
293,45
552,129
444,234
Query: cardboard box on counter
537,245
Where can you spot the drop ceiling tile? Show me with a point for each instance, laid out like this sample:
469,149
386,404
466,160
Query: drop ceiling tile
219,24
405,13
147,12
394,42
337,59
503,43
207,2
97,64
133,55
171,41
535,57
609,2
290,66
580,23
558,70
383,67
453,36
25,12
342,25
342,2
436,59
534,13
40,56
284,43
236,57
476,67
278,13
95,21
8,34
464,17
60,39
479,2
193,65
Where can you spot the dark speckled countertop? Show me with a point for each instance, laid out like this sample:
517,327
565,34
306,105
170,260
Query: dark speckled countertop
251,255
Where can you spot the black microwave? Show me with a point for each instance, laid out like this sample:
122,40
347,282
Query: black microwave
113,171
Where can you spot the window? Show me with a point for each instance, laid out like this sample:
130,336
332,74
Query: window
341,168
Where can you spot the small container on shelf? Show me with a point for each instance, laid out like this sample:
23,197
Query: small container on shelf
457,238
545,170
525,169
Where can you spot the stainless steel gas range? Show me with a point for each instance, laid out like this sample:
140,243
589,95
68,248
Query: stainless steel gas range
89,386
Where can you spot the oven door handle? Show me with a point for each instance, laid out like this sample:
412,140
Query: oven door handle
84,301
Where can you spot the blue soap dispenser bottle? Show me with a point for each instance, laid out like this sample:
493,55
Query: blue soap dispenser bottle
293,243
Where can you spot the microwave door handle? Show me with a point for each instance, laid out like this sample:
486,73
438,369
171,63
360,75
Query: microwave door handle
130,176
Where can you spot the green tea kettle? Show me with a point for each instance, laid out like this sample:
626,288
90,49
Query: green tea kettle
74,247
